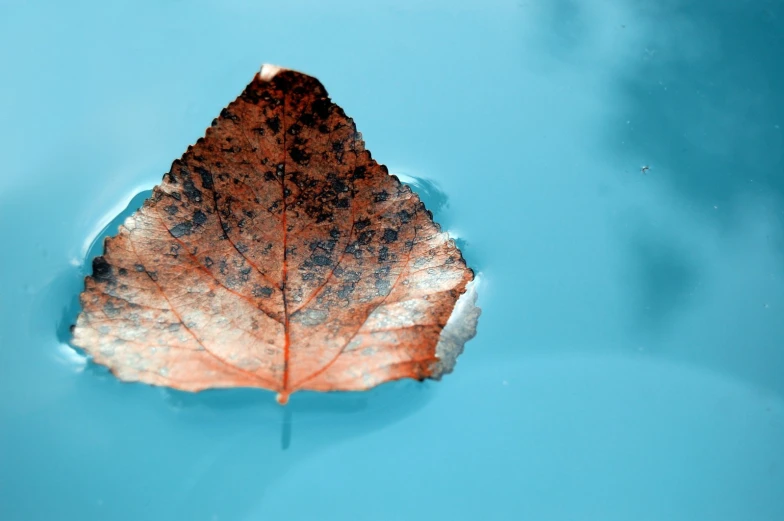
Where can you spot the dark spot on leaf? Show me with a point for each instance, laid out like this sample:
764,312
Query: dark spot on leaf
261,291
338,185
383,287
250,95
299,156
359,172
390,235
111,310
181,229
366,236
229,115
102,270
232,282
346,290
206,177
321,260
191,192
273,124
320,108
307,119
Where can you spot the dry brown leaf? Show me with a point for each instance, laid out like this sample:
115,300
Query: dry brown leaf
277,253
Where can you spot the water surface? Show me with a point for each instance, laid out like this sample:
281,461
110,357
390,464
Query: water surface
629,357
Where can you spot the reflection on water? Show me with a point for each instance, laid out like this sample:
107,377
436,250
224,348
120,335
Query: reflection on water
428,191
709,108
437,202
667,274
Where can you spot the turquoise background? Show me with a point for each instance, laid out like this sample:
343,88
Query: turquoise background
630,354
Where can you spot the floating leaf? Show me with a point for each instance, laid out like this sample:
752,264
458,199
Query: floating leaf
277,253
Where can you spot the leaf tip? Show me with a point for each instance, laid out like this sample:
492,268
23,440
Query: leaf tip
282,397
269,71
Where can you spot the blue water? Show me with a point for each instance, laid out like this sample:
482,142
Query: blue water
630,354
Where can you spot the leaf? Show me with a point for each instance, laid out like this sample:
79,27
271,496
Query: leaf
277,253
